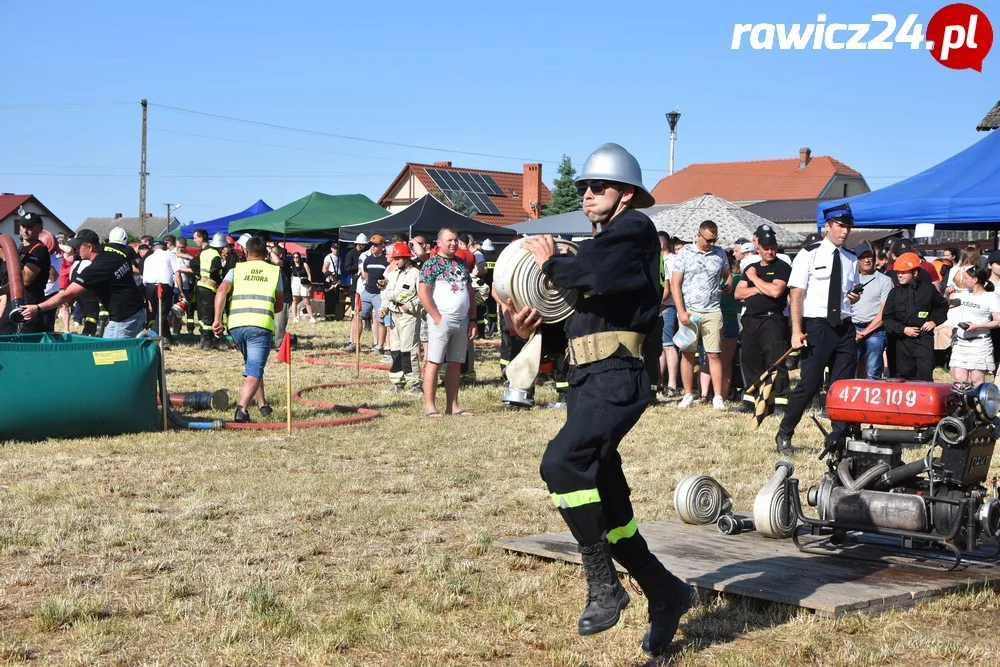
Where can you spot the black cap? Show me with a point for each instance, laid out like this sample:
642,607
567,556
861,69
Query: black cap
863,248
840,213
899,246
815,237
765,235
84,236
994,257
31,219
158,243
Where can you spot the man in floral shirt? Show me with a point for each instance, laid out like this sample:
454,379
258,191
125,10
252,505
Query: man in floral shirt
445,292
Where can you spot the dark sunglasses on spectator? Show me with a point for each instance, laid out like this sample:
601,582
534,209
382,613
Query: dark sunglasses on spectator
597,187
708,240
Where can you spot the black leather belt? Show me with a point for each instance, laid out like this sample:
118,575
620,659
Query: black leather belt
769,313
846,320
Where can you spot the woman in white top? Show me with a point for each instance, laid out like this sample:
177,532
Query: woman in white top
976,312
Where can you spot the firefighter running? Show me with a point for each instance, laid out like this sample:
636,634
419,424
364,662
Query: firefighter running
617,277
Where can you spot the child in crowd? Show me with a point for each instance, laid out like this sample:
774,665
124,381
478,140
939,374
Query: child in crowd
399,299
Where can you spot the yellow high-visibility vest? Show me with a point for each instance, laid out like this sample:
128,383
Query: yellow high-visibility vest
252,304
205,259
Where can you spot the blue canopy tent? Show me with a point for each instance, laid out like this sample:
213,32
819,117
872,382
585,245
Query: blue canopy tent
222,224
963,191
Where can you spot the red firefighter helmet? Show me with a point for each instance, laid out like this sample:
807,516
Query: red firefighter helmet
399,249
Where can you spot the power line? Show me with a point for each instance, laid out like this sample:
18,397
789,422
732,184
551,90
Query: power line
197,175
294,148
171,169
321,133
46,105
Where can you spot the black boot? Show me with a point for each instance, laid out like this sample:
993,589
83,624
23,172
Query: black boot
606,597
206,340
242,416
669,598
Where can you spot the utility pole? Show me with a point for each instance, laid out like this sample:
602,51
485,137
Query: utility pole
142,175
672,118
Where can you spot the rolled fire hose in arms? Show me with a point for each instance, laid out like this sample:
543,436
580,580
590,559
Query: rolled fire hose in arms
15,279
772,514
699,499
517,277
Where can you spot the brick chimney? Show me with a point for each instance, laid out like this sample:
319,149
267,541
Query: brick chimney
532,189
805,154
118,216
443,163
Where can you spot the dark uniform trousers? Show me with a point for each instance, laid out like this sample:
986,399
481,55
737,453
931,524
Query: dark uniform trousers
827,346
914,357
160,307
581,465
651,351
763,340
205,302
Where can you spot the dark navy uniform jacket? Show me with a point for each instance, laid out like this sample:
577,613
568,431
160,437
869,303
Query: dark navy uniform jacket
617,274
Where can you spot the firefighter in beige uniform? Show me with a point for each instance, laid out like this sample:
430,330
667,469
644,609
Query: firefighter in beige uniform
399,297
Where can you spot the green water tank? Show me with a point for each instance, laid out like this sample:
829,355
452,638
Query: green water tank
68,385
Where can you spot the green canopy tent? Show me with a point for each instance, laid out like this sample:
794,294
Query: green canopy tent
314,216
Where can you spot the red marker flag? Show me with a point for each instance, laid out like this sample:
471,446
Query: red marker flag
159,290
285,349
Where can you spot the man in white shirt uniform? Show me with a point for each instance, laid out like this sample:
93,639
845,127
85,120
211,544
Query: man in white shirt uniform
820,298
160,268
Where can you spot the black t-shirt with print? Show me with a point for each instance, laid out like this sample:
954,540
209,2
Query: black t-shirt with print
110,277
36,255
759,304
375,268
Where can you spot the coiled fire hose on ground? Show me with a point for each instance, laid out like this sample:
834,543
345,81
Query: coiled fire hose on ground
700,499
518,278
772,515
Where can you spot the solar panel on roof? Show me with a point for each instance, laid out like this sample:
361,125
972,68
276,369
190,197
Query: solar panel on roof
483,204
438,180
472,185
477,188
491,185
479,181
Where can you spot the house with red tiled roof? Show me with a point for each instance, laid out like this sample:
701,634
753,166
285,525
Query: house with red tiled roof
806,178
501,197
11,205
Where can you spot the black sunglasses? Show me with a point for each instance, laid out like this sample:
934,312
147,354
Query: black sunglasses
709,241
597,187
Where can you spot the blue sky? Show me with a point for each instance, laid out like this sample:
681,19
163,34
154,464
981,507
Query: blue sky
515,80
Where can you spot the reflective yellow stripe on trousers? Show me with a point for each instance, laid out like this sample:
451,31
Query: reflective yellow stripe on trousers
576,498
623,532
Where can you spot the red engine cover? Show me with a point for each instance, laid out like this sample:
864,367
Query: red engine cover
888,402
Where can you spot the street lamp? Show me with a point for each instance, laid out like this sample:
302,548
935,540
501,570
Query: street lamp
174,207
672,118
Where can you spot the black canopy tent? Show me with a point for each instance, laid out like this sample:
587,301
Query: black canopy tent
426,216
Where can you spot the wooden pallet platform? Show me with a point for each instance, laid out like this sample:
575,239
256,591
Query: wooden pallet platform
776,571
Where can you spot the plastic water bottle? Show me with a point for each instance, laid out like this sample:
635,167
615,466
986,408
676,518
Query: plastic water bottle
686,337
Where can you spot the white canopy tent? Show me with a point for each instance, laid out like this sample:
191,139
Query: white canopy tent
684,219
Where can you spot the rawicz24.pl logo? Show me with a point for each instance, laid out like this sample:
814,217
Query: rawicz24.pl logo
958,36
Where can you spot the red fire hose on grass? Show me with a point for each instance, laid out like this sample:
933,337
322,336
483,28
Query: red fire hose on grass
317,358
361,415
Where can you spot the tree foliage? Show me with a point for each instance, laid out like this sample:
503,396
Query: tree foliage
565,198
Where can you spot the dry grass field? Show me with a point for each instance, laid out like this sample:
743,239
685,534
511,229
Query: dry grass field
372,544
